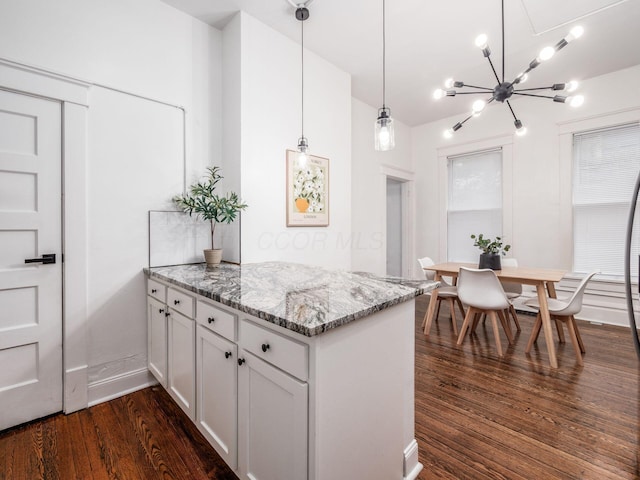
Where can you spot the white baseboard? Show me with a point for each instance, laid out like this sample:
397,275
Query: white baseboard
119,385
412,467
75,389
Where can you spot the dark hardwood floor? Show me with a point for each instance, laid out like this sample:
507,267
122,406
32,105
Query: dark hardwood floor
477,417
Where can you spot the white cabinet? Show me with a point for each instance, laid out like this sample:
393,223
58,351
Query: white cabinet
157,340
272,422
181,373
217,387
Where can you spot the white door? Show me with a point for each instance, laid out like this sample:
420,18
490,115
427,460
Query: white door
394,228
30,227
157,339
181,376
272,422
217,387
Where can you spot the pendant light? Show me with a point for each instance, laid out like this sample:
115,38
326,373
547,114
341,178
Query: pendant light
504,89
384,136
302,13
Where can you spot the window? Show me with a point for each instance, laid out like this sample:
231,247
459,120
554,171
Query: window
605,166
475,201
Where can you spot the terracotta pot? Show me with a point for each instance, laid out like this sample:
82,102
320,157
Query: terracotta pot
213,256
490,260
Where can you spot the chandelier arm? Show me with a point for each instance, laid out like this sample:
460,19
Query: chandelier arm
503,52
532,95
482,88
512,112
532,89
494,69
474,93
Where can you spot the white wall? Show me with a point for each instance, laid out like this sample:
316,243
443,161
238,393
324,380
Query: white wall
369,187
270,124
134,147
541,168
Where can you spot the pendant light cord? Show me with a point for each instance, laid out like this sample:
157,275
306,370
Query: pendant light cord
503,52
302,72
384,57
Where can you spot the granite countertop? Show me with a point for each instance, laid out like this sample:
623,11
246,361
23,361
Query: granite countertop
305,299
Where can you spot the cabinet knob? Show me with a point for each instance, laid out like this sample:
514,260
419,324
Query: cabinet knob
265,347
161,310
240,361
154,290
227,354
176,302
211,319
166,314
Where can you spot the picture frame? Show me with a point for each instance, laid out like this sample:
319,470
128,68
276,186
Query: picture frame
307,190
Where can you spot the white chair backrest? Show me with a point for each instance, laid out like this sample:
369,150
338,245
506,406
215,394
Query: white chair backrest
510,286
574,303
481,289
427,262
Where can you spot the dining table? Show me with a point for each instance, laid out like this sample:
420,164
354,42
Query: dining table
543,279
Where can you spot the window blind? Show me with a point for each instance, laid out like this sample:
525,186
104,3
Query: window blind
606,163
474,202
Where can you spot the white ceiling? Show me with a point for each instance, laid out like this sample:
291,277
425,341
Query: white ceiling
428,41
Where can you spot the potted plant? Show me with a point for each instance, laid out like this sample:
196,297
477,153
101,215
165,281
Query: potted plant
491,251
204,202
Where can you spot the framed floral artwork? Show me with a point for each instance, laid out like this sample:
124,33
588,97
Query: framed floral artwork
307,191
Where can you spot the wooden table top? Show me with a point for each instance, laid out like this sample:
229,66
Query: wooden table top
526,275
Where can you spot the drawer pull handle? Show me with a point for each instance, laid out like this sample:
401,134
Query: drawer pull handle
211,319
161,310
176,302
240,361
227,354
265,347
154,290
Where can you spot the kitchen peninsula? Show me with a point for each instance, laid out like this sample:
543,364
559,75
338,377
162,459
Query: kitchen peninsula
291,372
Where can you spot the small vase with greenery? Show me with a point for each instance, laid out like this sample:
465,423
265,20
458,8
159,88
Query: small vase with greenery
203,201
491,251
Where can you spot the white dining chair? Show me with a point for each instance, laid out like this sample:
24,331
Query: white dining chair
445,292
513,290
564,310
482,292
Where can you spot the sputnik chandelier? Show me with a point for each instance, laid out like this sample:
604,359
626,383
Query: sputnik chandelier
504,90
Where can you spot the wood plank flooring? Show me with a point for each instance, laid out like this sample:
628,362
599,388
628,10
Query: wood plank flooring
477,417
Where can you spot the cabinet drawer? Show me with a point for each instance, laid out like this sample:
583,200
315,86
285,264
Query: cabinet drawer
156,290
216,319
283,352
181,302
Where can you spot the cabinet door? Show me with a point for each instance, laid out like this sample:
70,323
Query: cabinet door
181,369
217,387
272,422
157,340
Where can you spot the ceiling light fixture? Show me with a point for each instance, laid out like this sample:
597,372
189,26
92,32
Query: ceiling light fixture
384,135
503,91
302,14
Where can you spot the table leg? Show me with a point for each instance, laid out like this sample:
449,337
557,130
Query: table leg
428,318
546,323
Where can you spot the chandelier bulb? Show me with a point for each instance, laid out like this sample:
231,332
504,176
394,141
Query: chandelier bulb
448,133
481,41
575,100
576,32
478,106
571,86
546,53
448,83
438,93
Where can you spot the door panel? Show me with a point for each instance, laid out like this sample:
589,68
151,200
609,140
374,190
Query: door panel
30,225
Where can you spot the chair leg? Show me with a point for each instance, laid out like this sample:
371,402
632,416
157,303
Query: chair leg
465,324
454,322
572,319
505,324
560,331
496,333
460,306
512,310
438,309
476,319
534,333
574,340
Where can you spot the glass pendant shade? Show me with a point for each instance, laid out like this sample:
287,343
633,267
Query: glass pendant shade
384,134
303,155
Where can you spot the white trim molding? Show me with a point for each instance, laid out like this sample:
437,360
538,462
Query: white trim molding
119,385
412,467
